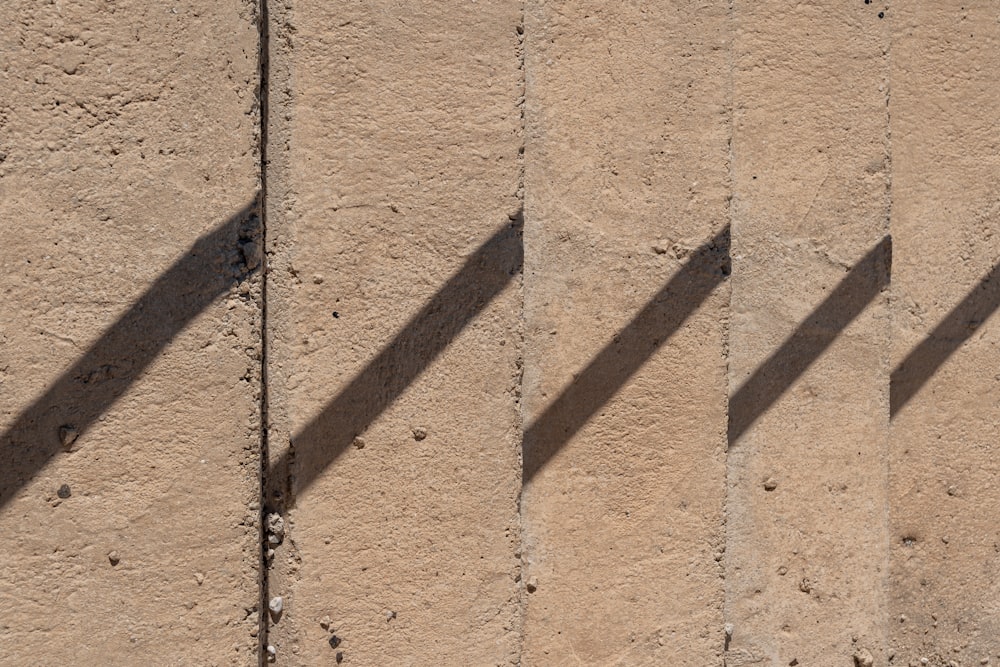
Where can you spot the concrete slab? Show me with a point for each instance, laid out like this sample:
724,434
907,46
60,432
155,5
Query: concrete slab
808,362
626,245
945,546
129,333
394,321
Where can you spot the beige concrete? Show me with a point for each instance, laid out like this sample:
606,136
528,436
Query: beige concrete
945,547
398,380
806,555
626,178
129,349
417,154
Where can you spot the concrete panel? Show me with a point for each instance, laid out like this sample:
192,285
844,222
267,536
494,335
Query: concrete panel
806,520
626,245
395,337
946,207
129,332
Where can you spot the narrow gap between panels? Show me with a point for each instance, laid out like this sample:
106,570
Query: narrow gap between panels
522,601
263,102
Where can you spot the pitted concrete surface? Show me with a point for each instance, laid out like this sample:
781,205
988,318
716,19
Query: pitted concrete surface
397,282
806,557
627,170
591,333
129,333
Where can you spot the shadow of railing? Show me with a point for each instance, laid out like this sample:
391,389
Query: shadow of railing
629,349
125,350
480,279
957,327
863,282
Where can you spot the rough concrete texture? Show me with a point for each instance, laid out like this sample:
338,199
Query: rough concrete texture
396,292
129,348
945,544
664,221
806,553
626,187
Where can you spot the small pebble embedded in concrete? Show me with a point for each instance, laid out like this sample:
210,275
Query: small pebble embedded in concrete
276,605
64,492
272,653
67,436
863,658
114,558
340,657
334,641
275,528
325,622
532,584
419,433
770,484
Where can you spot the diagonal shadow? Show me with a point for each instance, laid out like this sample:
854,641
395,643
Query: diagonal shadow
811,338
123,352
957,327
480,279
630,348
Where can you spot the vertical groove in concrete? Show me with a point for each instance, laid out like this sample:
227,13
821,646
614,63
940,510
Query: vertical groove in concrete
395,300
809,406
519,553
263,82
945,549
129,332
277,95
728,509
624,385
887,358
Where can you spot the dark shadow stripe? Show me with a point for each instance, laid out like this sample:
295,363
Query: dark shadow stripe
811,338
950,334
123,352
620,359
482,277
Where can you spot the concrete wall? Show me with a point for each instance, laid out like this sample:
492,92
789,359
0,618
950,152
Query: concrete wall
499,332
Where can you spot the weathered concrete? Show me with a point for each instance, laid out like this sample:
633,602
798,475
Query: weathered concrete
626,179
129,349
945,547
806,554
852,519
396,300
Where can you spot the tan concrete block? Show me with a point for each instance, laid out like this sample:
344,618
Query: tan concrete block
626,187
945,547
129,333
806,512
395,332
